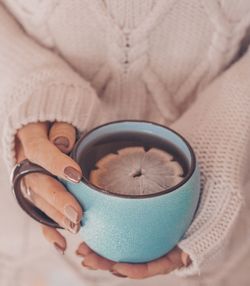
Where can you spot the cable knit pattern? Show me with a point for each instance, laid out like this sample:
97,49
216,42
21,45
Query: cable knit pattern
173,62
222,125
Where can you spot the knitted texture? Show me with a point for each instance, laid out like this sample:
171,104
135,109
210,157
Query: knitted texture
90,62
221,142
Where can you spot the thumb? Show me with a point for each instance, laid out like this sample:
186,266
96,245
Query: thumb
185,259
39,150
63,135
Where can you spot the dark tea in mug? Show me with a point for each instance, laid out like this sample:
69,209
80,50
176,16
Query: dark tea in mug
134,145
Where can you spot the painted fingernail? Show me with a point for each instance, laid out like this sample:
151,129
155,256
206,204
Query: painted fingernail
72,214
78,253
90,268
72,174
72,227
62,141
59,248
118,274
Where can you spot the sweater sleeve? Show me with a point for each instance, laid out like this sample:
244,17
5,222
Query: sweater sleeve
36,85
218,127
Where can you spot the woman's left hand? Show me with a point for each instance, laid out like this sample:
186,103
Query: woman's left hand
176,258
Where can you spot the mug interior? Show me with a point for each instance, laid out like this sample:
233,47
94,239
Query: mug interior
138,128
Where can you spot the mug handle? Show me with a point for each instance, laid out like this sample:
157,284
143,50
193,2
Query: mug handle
20,170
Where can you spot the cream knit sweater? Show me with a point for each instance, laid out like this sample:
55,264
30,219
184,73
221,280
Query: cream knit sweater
180,63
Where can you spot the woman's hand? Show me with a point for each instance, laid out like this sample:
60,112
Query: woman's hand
176,258
47,148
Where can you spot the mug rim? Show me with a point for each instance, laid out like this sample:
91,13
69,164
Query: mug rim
166,191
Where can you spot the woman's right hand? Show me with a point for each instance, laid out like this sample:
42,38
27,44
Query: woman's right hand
48,148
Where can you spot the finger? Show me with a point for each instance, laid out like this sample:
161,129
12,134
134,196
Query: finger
54,193
54,236
83,250
163,265
166,264
63,135
185,259
134,271
93,260
176,257
38,149
48,209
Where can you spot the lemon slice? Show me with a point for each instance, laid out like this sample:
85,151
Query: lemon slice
135,171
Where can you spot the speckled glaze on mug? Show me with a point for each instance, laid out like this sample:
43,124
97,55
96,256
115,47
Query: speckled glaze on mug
136,228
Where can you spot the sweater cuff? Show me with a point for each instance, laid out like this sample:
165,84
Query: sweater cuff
56,98
205,243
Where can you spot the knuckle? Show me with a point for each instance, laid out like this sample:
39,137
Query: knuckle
53,197
61,127
64,130
56,197
33,148
65,125
53,163
31,179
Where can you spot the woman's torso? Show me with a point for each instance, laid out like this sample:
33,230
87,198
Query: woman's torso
146,59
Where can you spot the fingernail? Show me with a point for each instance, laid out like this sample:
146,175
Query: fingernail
118,274
78,253
72,227
72,174
72,214
59,248
61,140
90,268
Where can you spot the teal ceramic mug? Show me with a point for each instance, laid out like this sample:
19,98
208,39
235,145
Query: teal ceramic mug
126,228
